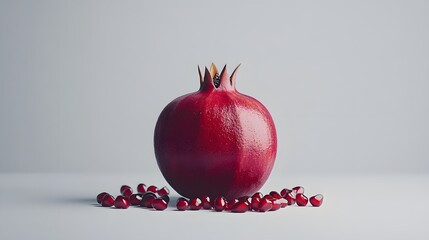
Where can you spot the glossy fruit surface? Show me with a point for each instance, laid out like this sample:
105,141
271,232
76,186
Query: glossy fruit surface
301,200
141,188
101,196
122,202
195,204
317,200
240,207
219,204
108,200
147,199
136,199
206,203
159,204
216,141
182,204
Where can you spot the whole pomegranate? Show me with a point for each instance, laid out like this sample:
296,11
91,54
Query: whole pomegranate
215,141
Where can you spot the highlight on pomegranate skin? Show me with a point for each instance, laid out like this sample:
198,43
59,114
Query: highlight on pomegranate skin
215,141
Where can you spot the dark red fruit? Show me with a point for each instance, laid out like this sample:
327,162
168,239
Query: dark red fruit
240,207
298,189
219,204
290,197
276,205
147,199
163,191
215,141
265,205
275,195
230,204
152,188
101,196
126,190
283,202
108,201
182,204
285,191
316,200
166,198
195,204
206,202
136,199
141,188
258,195
122,202
159,204
255,203
301,199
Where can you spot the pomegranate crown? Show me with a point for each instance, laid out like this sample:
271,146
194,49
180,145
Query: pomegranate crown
213,80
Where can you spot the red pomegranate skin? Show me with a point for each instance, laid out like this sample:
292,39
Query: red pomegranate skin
215,141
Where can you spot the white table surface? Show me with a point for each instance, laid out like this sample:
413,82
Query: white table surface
63,206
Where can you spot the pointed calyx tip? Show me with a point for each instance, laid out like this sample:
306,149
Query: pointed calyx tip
212,79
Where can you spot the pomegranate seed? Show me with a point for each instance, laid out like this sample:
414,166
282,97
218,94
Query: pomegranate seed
195,204
141,188
206,202
316,200
147,199
159,204
152,188
298,189
108,201
290,197
258,195
136,199
285,191
127,192
166,198
182,204
275,195
283,202
240,207
255,203
230,204
269,197
301,200
122,202
276,205
265,205
219,204
101,196
123,188
163,191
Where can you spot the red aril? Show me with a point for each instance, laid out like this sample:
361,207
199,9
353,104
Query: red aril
159,204
276,205
100,197
301,200
285,191
290,197
121,202
126,190
195,204
275,195
182,204
205,201
240,207
135,199
283,202
141,188
255,203
219,204
163,191
316,200
258,195
298,189
265,205
108,200
152,188
147,199
215,141
230,204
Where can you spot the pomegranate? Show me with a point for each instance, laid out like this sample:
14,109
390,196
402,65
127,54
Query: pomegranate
215,141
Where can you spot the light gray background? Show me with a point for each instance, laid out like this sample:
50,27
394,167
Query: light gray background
82,82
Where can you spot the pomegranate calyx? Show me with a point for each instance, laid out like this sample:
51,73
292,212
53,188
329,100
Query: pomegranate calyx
212,80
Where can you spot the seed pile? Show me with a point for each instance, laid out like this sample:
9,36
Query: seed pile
158,199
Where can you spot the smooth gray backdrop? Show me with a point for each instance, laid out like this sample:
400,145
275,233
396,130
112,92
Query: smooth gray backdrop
82,82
